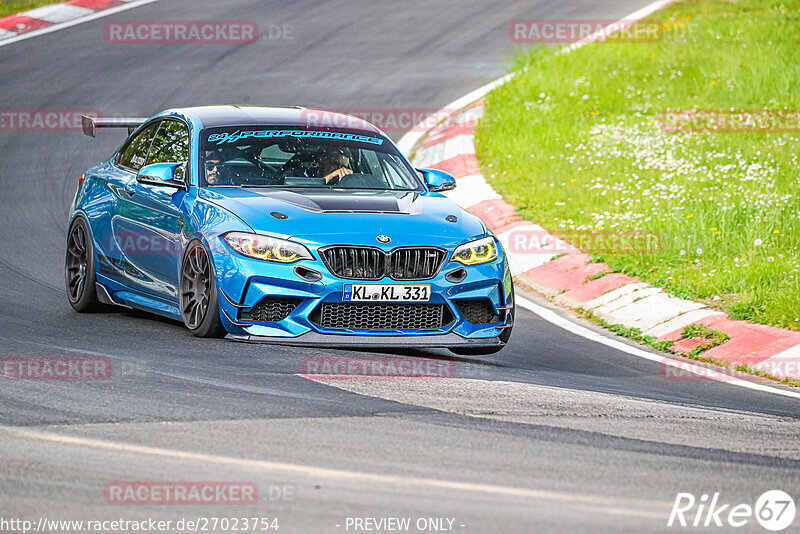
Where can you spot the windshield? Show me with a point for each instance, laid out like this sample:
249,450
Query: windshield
270,157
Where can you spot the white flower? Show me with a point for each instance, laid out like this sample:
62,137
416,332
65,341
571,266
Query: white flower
699,251
757,242
682,252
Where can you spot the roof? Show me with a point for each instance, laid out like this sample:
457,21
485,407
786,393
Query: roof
294,116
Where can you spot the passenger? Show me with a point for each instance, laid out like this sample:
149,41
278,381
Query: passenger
213,167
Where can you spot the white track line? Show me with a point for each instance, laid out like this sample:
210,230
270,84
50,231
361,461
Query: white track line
624,22
75,22
352,476
574,328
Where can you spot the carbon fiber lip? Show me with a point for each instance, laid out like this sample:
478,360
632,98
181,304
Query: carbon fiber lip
311,339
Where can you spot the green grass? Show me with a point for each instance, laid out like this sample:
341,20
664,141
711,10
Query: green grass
574,142
12,7
703,332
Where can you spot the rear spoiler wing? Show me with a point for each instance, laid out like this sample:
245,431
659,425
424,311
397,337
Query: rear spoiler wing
92,124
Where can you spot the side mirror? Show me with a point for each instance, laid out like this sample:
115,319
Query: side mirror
165,174
438,180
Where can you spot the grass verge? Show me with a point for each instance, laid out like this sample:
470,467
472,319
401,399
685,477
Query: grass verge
578,143
12,7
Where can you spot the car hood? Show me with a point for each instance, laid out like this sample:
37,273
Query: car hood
350,217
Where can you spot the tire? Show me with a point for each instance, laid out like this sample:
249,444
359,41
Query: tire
504,336
79,268
198,293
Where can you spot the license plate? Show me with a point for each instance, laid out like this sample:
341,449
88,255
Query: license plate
392,293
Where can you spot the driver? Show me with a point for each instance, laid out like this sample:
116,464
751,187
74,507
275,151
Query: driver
213,167
333,165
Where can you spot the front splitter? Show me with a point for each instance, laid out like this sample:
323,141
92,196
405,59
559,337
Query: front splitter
314,339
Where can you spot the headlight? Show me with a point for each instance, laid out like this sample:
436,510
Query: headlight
262,247
476,252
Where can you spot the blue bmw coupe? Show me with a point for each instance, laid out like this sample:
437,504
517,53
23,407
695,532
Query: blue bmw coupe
253,223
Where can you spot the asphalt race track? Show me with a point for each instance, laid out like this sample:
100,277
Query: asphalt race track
556,433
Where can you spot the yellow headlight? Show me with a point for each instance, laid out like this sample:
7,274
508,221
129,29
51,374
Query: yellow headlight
267,248
476,252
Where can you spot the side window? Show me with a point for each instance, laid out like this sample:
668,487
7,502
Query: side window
171,144
135,154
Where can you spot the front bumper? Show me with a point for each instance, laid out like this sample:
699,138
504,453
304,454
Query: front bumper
243,282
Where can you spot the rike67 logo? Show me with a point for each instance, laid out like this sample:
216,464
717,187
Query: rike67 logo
774,510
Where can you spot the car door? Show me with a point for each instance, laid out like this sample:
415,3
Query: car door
152,223
121,183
